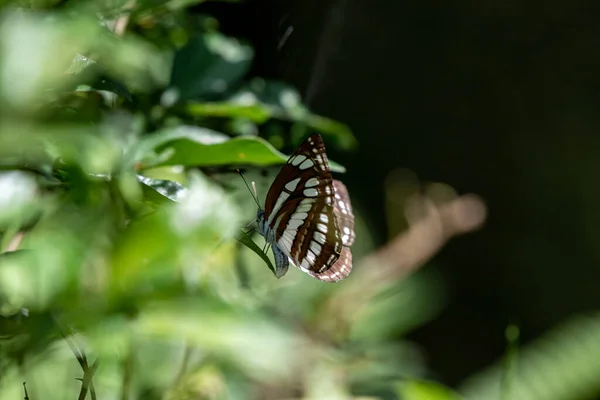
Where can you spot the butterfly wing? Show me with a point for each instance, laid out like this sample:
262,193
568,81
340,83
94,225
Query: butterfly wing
300,209
343,213
345,221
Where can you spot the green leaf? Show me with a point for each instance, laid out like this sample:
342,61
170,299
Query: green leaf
246,338
80,64
161,191
156,249
423,390
55,44
201,147
281,101
104,82
254,112
270,93
247,241
209,65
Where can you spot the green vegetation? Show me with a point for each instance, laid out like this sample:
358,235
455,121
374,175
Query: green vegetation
122,124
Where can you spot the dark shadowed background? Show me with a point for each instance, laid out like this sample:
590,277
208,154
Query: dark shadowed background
498,99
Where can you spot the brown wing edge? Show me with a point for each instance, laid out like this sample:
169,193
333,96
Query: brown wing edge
343,266
339,270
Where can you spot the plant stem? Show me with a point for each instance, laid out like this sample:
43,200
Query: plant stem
512,337
88,373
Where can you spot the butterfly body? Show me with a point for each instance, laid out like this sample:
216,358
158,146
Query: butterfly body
308,217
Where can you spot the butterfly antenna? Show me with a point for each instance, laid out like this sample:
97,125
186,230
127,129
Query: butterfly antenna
254,196
254,188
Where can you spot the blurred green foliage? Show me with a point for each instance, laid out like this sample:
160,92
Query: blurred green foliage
122,124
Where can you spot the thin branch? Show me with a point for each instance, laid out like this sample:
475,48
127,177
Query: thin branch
87,383
88,372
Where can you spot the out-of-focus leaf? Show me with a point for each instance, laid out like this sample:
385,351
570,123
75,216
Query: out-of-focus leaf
209,65
80,64
104,82
272,94
35,56
324,383
160,191
421,390
18,201
88,72
37,145
281,101
373,363
40,53
58,246
563,364
247,241
205,382
177,4
57,364
133,60
248,340
193,146
158,248
398,310
255,112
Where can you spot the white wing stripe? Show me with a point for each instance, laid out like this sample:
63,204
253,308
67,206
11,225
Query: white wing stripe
294,224
315,248
280,200
311,182
311,192
306,164
291,185
299,215
297,160
319,237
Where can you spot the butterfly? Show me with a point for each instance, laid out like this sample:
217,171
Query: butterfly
308,217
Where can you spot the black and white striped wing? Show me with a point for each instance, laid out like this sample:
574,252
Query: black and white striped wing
300,210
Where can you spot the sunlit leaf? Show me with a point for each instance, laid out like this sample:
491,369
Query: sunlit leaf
160,191
247,241
254,112
194,146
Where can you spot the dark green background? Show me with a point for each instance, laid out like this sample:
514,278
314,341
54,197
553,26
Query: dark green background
496,98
